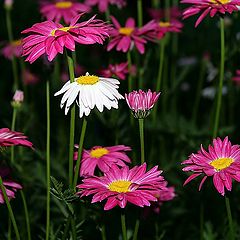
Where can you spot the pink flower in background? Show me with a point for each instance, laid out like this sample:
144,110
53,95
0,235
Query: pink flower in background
78,71
211,7
11,138
103,158
115,70
103,4
10,185
124,38
171,26
29,78
222,162
8,4
141,103
174,13
50,38
12,49
121,185
236,78
58,10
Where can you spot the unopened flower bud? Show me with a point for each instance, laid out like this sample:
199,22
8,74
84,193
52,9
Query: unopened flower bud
18,98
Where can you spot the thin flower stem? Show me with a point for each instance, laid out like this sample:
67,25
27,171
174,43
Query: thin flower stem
155,3
73,225
160,72
135,234
107,14
48,160
140,13
141,132
103,232
124,229
9,228
130,83
72,123
14,116
219,95
26,215
230,221
199,89
66,229
9,209
10,38
80,149
201,221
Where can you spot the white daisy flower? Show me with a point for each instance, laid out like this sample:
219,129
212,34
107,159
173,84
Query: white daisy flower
90,91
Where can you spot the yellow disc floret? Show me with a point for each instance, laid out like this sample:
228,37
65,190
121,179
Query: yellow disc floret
220,1
126,31
98,152
64,4
16,42
221,163
121,186
87,79
164,24
64,29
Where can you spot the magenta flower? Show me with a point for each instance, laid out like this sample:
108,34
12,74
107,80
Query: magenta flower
117,70
122,185
10,186
174,13
171,26
124,38
29,78
12,49
141,103
103,4
50,38
103,158
59,9
236,78
209,7
222,162
11,138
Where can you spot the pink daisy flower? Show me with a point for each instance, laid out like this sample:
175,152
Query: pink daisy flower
222,162
158,14
122,185
58,9
124,38
11,138
236,78
10,186
103,158
103,4
115,70
209,7
12,49
141,103
171,26
50,38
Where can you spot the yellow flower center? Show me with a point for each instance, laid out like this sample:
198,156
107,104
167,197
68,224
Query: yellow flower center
121,186
87,80
126,31
220,1
64,29
221,163
16,43
99,152
64,4
164,24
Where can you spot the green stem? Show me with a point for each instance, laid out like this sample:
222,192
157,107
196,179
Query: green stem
103,232
9,228
201,221
230,221
66,229
124,229
155,3
15,74
26,215
160,72
140,13
13,128
9,209
135,234
219,95
107,14
73,225
80,149
72,124
141,132
199,90
48,161
130,83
